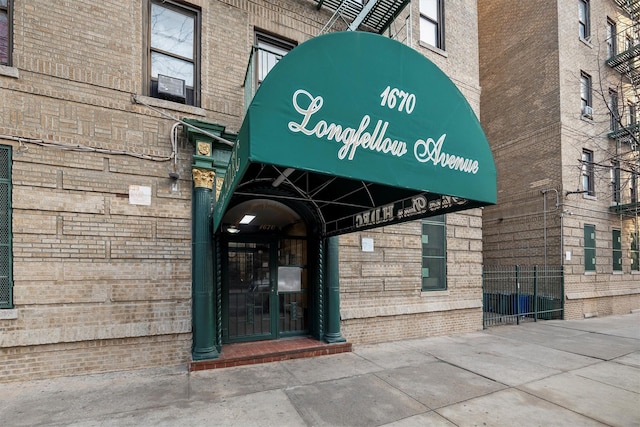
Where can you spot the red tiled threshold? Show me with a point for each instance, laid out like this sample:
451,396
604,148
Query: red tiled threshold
251,353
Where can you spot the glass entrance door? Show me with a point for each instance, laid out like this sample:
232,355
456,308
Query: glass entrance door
265,290
251,292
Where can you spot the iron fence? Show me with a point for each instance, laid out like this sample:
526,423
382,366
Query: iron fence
512,294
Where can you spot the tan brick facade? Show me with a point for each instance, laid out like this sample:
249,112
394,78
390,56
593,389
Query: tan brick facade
531,61
101,284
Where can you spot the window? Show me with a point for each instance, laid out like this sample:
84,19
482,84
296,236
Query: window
612,48
6,262
270,51
174,50
616,242
432,22
635,251
585,95
633,187
587,173
631,114
434,254
589,247
5,32
628,42
615,182
613,110
583,19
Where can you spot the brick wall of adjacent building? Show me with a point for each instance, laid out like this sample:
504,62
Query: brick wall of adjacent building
531,59
101,284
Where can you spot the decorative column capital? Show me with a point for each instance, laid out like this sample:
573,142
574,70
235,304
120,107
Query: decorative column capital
203,178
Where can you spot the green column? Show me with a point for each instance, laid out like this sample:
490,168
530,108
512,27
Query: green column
332,272
204,319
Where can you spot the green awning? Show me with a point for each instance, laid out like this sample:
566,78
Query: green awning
364,129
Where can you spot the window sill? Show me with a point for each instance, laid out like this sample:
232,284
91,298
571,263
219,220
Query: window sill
439,293
617,272
586,42
586,119
7,71
168,105
434,49
590,273
8,314
588,197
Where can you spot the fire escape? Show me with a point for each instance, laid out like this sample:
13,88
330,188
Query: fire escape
362,15
627,136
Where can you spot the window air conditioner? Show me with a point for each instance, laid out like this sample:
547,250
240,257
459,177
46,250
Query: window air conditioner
587,112
171,88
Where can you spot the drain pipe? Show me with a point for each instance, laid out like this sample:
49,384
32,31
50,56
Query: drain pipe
544,210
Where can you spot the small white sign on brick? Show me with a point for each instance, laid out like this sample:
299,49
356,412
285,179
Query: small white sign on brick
139,195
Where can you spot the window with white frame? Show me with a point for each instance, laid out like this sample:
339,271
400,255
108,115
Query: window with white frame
584,19
5,32
173,51
432,22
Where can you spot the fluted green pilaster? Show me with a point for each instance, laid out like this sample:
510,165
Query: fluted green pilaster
204,319
333,291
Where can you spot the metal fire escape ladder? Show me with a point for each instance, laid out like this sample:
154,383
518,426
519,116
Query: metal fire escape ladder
372,15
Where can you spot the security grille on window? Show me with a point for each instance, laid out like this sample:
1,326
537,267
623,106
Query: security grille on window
6,277
587,173
585,96
5,32
174,51
434,254
583,19
432,22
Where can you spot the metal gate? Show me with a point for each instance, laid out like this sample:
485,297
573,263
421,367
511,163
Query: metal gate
512,294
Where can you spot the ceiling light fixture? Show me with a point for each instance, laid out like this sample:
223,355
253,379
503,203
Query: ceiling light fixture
247,219
232,230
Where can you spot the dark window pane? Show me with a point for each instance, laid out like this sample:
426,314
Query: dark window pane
4,37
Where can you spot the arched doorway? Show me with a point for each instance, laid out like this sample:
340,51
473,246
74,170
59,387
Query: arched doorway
265,272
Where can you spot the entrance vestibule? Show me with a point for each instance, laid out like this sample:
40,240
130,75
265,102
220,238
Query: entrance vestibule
265,273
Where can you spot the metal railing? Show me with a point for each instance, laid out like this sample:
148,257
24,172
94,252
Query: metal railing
513,294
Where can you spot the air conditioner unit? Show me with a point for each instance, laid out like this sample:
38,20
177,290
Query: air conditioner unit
587,112
171,88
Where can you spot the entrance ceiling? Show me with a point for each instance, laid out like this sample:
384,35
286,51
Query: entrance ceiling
364,130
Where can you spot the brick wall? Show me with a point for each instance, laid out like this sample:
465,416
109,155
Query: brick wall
101,284
531,59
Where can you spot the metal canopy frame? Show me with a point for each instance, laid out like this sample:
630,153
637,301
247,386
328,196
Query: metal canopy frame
343,205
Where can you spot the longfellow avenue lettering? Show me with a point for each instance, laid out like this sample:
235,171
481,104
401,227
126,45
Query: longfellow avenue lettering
351,138
428,150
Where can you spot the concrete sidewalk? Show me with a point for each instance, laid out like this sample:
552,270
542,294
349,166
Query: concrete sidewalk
560,373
